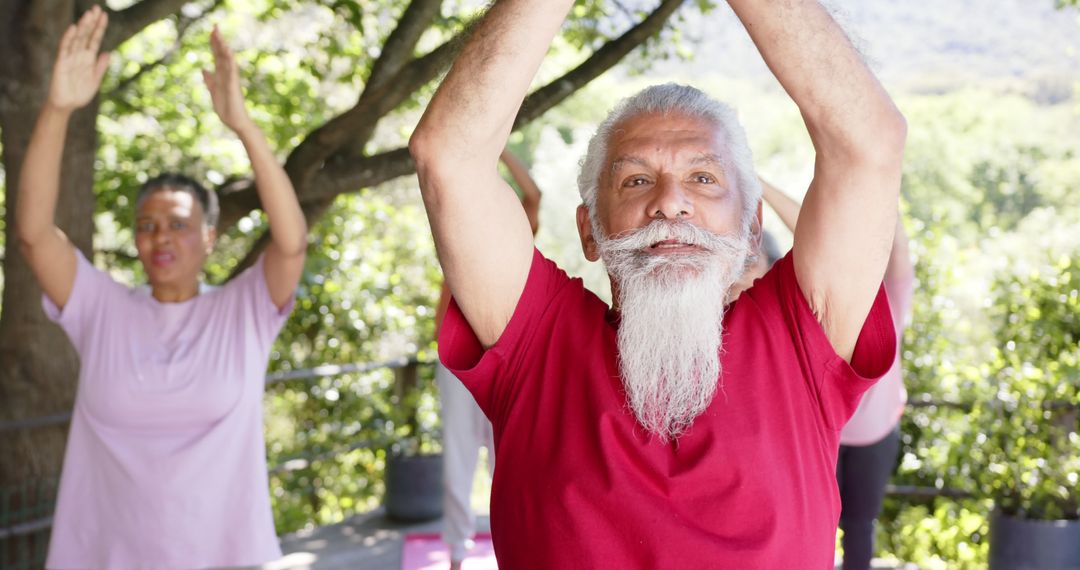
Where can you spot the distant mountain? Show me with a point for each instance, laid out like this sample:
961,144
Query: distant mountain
924,45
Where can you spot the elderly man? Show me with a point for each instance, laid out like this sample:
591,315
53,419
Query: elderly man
670,431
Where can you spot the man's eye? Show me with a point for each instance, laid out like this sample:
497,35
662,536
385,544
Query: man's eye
144,227
178,225
636,181
704,178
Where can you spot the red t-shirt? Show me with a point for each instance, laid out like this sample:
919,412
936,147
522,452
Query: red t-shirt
578,484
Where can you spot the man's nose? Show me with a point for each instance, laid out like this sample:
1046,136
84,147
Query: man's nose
670,200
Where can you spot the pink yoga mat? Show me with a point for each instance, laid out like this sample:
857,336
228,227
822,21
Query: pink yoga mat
429,552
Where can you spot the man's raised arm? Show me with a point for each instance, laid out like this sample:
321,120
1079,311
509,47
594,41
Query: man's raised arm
481,233
845,228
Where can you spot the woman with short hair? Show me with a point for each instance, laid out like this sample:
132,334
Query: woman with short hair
165,465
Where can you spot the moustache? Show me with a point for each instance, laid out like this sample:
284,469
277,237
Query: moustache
658,231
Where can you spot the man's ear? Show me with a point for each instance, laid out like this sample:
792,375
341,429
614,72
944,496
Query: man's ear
584,228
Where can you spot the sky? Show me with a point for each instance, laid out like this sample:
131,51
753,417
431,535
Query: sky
920,45
914,46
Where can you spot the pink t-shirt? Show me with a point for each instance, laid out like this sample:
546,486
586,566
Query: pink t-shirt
578,485
165,464
883,404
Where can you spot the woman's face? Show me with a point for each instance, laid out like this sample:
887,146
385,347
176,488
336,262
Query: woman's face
172,238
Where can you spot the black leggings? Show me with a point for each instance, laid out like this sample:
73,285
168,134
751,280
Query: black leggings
862,473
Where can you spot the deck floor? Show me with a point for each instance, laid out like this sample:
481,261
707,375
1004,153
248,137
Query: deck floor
370,541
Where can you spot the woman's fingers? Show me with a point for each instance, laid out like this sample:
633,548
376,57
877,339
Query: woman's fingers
86,28
210,79
98,31
86,34
67,40
224,61
216,44
100,67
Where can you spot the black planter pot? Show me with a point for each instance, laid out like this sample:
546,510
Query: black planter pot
413,487
1023,544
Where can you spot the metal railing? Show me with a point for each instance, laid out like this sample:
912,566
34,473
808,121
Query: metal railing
406,368
324,371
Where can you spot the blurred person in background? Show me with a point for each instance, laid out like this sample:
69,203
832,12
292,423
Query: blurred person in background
465,427
165,465
870,441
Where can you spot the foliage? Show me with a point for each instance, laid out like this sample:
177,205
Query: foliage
371,281
988,181
987,188
1026,454
941,535
368,295
981,170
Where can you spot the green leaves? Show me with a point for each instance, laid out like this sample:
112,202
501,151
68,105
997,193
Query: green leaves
987,184
371,281
1030,458
368,294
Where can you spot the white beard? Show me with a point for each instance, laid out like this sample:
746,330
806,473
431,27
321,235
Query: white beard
671,329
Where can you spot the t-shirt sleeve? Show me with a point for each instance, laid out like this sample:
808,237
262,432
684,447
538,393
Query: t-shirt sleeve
492,375
253,294
836,384
87,302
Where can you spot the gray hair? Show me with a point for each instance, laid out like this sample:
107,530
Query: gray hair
672,98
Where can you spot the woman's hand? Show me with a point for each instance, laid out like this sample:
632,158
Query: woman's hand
79,68
224,86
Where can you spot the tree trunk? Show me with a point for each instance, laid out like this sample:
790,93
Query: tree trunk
38,366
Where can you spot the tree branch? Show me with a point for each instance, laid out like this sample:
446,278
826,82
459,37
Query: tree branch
252,256
145,68
397,51
357,123
624,9
235,199
352,176
342,179
400,44
183,24
239,197
603,59
131,20
345,175
307,163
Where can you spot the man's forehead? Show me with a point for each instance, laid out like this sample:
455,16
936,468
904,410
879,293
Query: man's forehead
649,133
691,157
672,121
